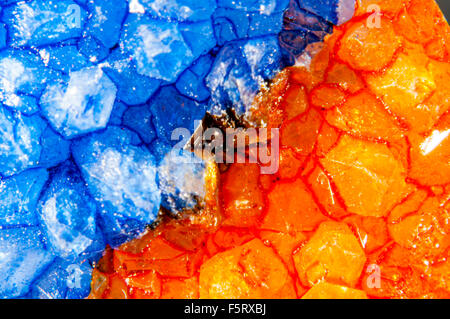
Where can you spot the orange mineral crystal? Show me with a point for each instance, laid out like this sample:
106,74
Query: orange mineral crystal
360,205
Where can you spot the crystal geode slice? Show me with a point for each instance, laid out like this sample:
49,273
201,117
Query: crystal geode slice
94,92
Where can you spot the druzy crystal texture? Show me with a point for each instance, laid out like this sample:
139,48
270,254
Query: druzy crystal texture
360,204
92,92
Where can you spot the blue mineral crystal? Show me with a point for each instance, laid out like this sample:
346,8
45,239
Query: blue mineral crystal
19,195
132,87
191,82
64,279
105,20
3,35
81,105
139,119
301,28
20,146
23,76
55,149
239,71
92,49
42,22
67,212
65,59
334,11
172,110
120,174
23,258
180,10
162,48
91,94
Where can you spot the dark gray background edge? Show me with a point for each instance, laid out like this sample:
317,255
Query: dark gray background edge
445,7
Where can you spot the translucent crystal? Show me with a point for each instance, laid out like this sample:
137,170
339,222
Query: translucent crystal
121,176
82,105
23,258
67,212
42,22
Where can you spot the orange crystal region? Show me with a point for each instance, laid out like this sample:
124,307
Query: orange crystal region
360,205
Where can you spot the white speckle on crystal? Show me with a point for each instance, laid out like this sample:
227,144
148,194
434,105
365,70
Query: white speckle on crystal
186,12
136,7
12,75
45,56
268,8
433,141
99,17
